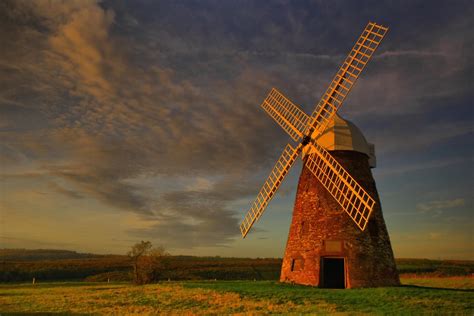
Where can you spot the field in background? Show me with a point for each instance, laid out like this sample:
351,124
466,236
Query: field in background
19,265
430,296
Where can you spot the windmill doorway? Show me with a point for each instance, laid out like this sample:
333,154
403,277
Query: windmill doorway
333,274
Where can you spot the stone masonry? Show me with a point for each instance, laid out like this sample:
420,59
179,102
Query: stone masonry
320,228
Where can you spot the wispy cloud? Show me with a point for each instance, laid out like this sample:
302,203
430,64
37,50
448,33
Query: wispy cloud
440,205
67,192
189,219
411,53
411,167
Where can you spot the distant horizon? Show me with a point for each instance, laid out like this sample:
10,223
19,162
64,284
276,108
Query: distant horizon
211,256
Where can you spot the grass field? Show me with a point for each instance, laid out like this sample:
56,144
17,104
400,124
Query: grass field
417,296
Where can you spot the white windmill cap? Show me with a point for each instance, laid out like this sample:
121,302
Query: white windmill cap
342,134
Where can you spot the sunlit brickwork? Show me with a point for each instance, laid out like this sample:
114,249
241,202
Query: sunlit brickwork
320,228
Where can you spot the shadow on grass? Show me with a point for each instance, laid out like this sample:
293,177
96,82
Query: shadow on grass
436,288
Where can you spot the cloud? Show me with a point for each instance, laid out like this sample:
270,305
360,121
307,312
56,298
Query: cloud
111,120
85,47
199,216
440,205
411,167
410,53
189,219
69,193
435,236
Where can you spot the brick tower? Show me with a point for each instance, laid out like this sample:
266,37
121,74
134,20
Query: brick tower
338,237
325,248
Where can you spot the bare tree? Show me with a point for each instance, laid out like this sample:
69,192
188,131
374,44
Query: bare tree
138,251
147,262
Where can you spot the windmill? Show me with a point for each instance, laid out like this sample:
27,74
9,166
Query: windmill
328,244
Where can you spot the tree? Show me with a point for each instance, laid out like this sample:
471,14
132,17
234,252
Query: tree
153,264
147,262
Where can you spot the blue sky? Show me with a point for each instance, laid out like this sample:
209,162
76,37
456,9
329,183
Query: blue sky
130,120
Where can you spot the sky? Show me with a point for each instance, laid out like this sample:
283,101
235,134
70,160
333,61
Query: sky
123,121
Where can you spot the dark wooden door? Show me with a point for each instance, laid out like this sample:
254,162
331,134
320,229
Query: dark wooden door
333,273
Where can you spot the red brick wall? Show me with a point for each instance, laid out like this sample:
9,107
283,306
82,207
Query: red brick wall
328,231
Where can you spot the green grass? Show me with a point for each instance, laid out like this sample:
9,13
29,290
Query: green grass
439,296
435,295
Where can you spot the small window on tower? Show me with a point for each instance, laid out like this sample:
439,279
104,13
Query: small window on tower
297,264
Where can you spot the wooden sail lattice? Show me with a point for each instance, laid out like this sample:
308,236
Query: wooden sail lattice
347,75
355,201
279,171
288,115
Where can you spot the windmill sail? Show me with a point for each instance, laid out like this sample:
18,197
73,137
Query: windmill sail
346,191
279,171
346,77
288,115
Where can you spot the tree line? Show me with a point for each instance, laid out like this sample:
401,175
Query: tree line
145,263
142,264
